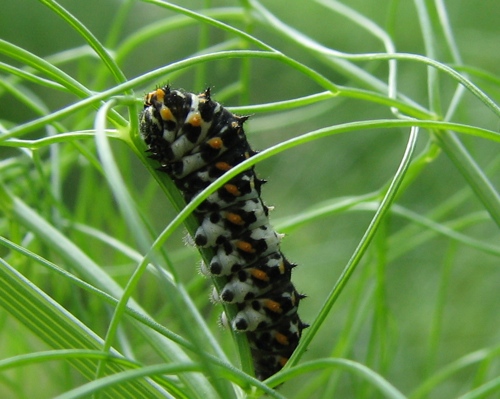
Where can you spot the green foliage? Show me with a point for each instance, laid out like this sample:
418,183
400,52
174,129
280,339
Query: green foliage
378,128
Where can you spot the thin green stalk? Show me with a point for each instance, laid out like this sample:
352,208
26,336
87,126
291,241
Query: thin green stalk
357,74
174,23
30,77
54,73
470,170
451,369
89,38
355,368
57,327
384,207
484,391
431,52
436,327
73,255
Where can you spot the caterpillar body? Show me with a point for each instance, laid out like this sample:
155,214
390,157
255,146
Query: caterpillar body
196,140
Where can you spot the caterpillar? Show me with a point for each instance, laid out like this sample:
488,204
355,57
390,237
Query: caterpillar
196,140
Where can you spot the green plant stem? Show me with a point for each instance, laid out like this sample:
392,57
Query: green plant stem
358,369
89,38
472,173
384,207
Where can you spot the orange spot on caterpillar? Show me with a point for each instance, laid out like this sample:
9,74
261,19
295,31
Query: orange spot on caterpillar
224,166
259,274
160,94
245,246
215,143
195,120
232,189
282,339
273,306
166,114
234,218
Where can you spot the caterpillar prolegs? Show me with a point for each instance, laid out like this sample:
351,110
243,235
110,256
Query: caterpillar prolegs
196,140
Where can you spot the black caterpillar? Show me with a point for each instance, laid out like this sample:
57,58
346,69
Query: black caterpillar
196,140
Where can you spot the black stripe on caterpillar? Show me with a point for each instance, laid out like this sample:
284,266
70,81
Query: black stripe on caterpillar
196,140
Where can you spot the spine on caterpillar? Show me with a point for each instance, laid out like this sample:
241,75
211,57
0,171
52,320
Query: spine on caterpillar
196,140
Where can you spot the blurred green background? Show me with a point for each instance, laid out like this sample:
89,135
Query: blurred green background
339,166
